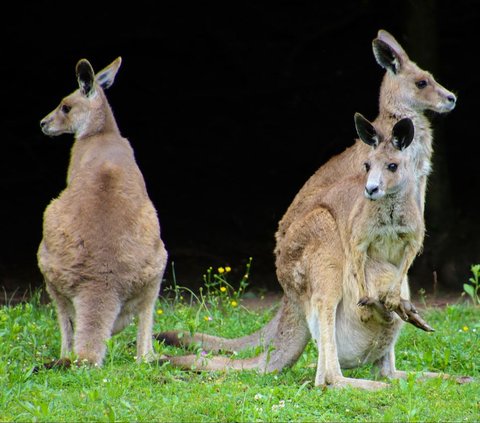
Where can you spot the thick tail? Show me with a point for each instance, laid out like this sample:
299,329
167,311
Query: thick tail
287,341
262,337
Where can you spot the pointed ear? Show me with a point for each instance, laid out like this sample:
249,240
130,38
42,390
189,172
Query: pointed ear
366,130
403,133
389,39
85,77
386,56
106,76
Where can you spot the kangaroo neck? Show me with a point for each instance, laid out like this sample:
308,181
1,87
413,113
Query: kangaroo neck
89,145
394,107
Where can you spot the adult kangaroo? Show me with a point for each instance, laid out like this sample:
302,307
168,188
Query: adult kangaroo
101,255
406,91
317,268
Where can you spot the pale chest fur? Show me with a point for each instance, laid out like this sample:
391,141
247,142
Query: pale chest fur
396,225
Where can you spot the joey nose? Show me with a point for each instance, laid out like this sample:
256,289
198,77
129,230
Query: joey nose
371,189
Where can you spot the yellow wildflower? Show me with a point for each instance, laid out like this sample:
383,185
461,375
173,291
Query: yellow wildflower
228,269
159,311
465,328
233,303
223,289
221,270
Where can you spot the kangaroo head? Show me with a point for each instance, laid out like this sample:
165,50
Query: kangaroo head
388,169
86,110
405,84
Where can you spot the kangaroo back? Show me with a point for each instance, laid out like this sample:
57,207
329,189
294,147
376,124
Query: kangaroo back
101,255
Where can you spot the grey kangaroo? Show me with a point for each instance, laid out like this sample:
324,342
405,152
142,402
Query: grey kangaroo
317,266
101,255
406,92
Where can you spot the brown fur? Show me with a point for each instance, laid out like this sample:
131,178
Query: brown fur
315,269
101,254
312,257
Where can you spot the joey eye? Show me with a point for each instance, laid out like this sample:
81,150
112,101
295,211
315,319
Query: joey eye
392,167
421,84
367,166
66,109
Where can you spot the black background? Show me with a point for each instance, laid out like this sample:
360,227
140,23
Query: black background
230,107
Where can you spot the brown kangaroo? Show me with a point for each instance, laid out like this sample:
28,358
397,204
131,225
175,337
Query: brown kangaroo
101,255
317,268
406,91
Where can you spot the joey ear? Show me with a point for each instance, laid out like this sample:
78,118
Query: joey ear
403,133
106,76
85,77
366,130
386,56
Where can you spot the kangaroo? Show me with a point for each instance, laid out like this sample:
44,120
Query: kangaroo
405,91
391,230
101,254
316,267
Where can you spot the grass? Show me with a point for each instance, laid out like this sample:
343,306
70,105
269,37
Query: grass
125,391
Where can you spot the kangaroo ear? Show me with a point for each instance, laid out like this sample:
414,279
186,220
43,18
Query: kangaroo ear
366,131
388,38
386,56
107,75
403,133
85,77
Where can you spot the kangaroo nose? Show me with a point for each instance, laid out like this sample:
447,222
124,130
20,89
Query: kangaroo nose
451,98
42,123
371,189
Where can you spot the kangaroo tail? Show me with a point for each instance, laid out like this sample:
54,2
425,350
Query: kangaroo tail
261,337
287,341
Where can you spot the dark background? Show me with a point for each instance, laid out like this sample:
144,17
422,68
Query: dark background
230,107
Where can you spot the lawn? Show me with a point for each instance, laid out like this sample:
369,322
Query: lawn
125,391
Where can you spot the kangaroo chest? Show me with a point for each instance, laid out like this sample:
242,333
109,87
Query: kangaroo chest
393,229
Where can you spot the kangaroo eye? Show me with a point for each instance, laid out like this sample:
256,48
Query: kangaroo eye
367,166
392,167
421,84
66,109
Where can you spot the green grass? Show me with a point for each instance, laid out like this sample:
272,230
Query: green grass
125,391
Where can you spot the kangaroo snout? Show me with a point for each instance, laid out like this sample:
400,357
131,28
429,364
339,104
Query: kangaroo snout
44,125
451,102
372,192
448,103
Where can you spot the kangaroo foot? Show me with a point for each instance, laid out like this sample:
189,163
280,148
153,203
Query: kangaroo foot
62,363
407,312
369,385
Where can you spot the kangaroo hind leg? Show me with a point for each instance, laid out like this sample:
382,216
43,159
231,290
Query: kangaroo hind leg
95,319
145,321
326,280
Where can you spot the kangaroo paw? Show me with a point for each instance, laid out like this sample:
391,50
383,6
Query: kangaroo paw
365,301
407,312
374,306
